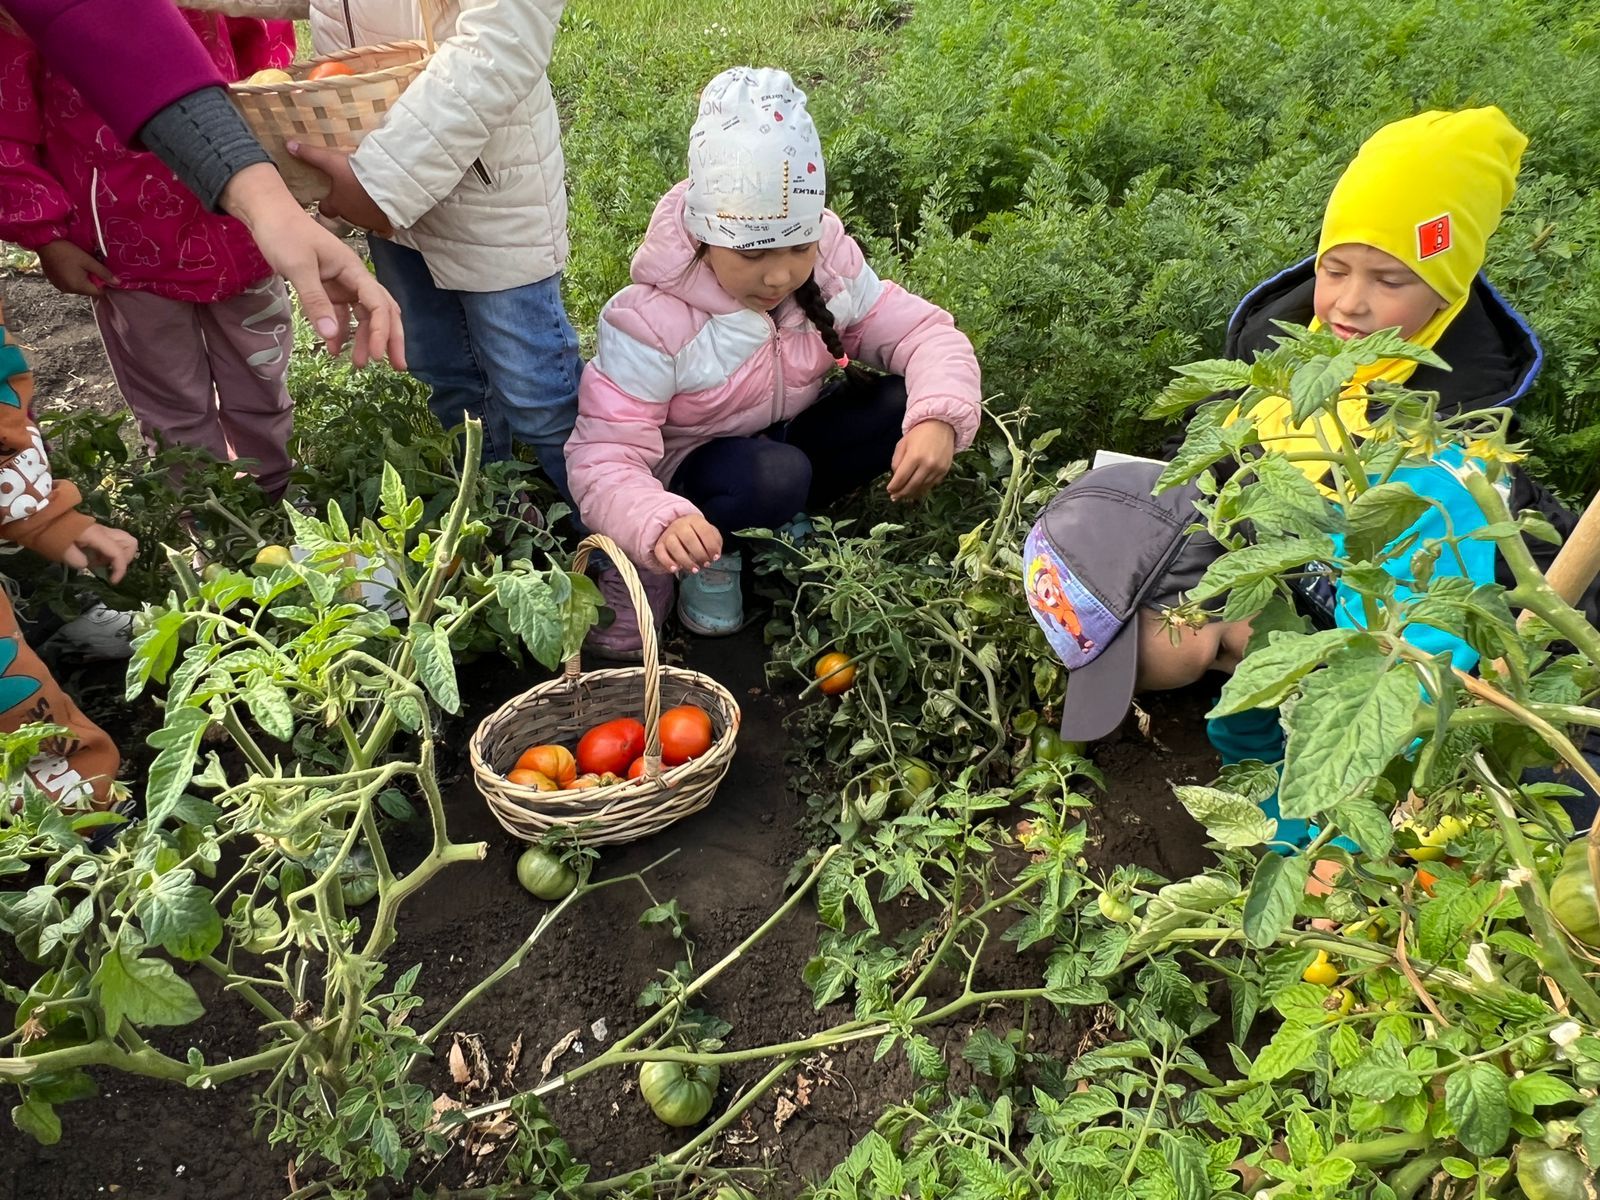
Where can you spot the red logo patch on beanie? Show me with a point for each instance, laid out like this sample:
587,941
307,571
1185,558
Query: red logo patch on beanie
1433,237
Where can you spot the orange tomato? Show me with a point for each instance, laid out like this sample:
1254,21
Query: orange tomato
685,734
328,70
554,762
835,673
636,768
1426,879
527,777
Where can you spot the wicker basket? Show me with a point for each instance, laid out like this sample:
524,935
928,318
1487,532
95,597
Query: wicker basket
561,710
336,112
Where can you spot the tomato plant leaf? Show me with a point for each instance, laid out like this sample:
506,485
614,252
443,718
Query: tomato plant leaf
155,650
1186,1159
1267,675
171,770
1379,1075
1379,515
269,705
1476,1100
145,991
436,665
1269,906
1291,1047
1228,818
1352,718
179,915
1528,1092
38,1119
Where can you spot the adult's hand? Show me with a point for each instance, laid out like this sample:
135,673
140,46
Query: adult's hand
327,275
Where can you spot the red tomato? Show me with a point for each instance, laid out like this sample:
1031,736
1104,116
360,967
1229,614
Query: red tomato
328,69
685,734
636,768
611,746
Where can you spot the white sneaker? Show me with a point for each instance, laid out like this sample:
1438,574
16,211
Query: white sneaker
100,633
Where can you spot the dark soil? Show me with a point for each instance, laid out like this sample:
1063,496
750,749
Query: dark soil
144,1140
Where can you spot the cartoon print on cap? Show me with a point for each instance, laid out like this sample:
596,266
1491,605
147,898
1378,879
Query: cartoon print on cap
1046,595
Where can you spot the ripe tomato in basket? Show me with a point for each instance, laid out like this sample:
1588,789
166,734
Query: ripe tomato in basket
554,762
685,734
329,69
610,746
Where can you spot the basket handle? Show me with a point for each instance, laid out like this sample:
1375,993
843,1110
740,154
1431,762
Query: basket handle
427,23
647,637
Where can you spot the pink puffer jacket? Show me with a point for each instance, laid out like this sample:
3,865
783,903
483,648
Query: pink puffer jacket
680,362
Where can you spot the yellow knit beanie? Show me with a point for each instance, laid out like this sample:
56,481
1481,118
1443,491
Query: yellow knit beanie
1429,190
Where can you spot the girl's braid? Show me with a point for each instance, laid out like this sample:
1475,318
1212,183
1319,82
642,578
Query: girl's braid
809,297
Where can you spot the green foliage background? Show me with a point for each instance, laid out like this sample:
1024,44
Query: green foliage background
1091,185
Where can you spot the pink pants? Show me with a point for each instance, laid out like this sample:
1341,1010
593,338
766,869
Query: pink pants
208,375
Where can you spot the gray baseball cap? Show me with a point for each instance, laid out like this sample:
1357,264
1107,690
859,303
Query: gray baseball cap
1102,549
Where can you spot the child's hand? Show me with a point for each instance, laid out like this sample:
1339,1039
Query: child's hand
689,544
74,270
100,545
921,460
347,197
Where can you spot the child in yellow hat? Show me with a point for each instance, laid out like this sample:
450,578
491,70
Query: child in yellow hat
1402,245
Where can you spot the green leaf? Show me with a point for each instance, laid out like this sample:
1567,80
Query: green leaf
1476,1100
1319,382
1366,824
925,1058
534,615
171,770
392,496
269,705
1274,893
38,1119
1379,515
155,650
436,665
384,1137
1353,717
144,991
1290,1049
1529,1092
1379,1075
1267,675
1228,818
180,916
1458,1168
1186,1157
1259,563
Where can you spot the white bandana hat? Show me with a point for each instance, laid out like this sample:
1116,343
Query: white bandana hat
755,164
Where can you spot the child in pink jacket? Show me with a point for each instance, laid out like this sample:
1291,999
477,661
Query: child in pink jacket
197,327
704,410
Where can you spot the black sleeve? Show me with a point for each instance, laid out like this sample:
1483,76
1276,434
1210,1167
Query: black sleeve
205,141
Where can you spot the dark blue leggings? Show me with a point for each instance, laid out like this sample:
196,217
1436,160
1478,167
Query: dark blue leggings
842,441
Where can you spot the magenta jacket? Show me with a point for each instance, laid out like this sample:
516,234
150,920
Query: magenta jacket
129,58
64,173
679,362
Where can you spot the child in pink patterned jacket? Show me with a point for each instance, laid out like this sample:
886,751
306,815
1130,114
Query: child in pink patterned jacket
197,327
704,410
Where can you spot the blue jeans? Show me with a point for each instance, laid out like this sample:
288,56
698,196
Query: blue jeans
509,358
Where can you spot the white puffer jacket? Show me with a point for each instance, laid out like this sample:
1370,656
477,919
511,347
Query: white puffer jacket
468,163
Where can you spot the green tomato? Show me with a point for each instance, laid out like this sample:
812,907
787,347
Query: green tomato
1546,1174
545,875
1572,895
254,929
1049,746
1114,908
212,572
679,1093
1337,1003
915,778
730,1191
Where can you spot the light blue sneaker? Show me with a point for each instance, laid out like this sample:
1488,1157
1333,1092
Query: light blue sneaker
798,530
710,602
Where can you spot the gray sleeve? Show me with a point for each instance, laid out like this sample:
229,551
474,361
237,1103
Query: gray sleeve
205,141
